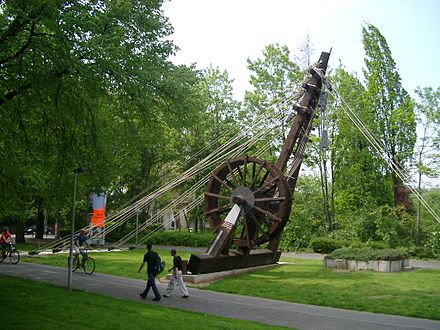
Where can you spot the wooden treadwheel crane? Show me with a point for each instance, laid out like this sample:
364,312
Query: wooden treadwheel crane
248,200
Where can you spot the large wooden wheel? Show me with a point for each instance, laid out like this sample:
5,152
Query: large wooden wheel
267,198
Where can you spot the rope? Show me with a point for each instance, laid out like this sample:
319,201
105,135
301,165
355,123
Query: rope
120,217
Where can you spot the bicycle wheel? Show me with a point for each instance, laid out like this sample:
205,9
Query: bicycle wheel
14,256
2,256
75,263
89,266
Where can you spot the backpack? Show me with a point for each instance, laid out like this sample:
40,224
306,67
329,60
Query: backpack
159,265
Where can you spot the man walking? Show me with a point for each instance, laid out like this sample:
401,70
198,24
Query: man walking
150,258
176,277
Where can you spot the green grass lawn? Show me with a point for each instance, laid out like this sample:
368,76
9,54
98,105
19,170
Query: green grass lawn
411,293
34,305
125,263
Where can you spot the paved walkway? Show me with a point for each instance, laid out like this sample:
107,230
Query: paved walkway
222,304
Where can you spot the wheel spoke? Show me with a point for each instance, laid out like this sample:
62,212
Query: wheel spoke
255,175
268,184
240,174
217,195
269,199
244,171
246,229
269,214
264,178
254,218
230,183
234,179
218,209
223,183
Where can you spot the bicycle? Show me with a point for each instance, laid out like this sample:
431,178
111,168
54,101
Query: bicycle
87,263
12,253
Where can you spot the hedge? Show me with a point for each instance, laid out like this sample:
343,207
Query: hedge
328,245
365,254
182,238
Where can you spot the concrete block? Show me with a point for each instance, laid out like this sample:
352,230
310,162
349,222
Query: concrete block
341,264
396,265
330,263
362,265
384,266
373,265
352,265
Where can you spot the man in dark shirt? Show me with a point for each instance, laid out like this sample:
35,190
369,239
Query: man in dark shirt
150,258
176,277
80,244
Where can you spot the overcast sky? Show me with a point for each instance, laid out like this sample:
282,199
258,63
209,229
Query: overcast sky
225,33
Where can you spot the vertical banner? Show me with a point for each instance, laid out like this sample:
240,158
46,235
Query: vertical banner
96,218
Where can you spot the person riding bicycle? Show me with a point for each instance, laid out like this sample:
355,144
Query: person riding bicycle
6,240
80,243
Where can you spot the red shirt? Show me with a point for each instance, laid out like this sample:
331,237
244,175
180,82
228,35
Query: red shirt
5,236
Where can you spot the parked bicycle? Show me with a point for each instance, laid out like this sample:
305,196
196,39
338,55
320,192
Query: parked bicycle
12,253
86,263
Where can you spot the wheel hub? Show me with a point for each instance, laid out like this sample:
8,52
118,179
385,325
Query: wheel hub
243,194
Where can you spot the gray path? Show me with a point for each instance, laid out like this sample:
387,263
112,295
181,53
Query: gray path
241,307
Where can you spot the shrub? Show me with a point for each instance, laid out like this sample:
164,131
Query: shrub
376,245
424,252
327,244
324,244
64,232
365,254
433,243
182,238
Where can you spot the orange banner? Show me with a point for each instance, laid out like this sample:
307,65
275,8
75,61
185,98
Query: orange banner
98,218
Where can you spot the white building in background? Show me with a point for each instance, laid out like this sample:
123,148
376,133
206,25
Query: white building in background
175,220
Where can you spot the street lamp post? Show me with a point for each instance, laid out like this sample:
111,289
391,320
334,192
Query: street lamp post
76,171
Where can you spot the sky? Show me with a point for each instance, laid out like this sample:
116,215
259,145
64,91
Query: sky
225,33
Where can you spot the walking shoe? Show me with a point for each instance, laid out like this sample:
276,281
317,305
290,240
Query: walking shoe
165,296
185,296
156,299
142,295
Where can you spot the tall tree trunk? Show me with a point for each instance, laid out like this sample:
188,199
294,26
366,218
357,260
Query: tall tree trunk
419,188
324,190
19,231
39,230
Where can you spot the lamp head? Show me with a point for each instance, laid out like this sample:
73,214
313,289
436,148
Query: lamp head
80,170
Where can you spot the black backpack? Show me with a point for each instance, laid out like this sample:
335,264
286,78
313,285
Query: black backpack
159,265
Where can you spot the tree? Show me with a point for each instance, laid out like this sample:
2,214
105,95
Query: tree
216,124
306,51
358,176
83,83
428,118
275,79
393,108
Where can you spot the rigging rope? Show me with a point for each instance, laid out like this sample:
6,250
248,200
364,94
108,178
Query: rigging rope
224,151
